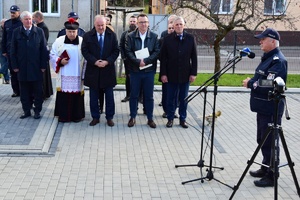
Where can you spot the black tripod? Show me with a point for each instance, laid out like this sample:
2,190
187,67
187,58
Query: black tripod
276,131
203,88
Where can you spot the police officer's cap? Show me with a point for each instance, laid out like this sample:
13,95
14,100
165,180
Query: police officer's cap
14,8
269,32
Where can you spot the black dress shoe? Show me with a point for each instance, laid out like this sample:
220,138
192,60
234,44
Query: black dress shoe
258,173
37,116
15,95
125,99
131,122
25,115
264,182
169,124
110,123
183,124
164,115
94,122
151,123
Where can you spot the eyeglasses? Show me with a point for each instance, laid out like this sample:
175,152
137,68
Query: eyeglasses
145,22
170,28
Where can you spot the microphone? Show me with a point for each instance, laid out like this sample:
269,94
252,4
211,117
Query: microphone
246,52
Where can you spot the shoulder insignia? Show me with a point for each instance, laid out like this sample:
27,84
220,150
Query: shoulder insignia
275,58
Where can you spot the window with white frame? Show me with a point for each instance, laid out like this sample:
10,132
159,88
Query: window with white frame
47,7
274,7
221,6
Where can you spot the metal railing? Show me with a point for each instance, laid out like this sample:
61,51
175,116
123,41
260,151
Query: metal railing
206,60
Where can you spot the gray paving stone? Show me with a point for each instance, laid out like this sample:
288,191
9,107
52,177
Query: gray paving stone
101,162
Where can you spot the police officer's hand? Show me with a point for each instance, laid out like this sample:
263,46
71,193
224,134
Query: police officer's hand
245,82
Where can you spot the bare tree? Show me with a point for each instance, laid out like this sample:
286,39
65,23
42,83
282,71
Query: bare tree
243,14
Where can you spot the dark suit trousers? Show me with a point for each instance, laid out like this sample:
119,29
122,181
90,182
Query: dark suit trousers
29,89
109,105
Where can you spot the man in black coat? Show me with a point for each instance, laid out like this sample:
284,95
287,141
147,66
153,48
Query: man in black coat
132,27
100,49
9,26
142,69
38,19
178,69
29,58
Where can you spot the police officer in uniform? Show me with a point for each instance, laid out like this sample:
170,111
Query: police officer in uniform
273,64
9,26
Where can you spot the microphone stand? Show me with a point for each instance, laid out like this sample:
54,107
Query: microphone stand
203,88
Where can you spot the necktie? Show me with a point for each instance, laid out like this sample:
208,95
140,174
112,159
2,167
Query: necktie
101,45
27,32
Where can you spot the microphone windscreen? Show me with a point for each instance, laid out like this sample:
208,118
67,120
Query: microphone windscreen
251,55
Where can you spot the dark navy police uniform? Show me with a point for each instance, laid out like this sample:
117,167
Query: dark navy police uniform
273,64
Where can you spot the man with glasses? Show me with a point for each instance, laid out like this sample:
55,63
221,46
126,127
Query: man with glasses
142,69
9,26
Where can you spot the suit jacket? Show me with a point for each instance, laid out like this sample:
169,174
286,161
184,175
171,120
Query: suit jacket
29,53
178,58
96,77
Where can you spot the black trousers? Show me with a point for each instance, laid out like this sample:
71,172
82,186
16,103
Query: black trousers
13,77
31,93
127,80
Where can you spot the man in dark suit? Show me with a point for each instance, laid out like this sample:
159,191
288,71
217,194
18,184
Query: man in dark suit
9,26
100,49
178,69
29,57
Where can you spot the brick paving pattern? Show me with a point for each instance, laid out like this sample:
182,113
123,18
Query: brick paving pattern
44,159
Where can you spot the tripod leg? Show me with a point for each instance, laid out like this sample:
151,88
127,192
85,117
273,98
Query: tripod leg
200,163
250,162
290,163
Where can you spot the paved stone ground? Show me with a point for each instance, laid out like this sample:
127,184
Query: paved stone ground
43,159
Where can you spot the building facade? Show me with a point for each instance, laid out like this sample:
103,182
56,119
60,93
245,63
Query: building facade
56,11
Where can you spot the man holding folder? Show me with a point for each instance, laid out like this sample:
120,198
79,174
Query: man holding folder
142,49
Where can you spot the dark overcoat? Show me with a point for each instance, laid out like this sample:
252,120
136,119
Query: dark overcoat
43,26
178,58
96,77
29,53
